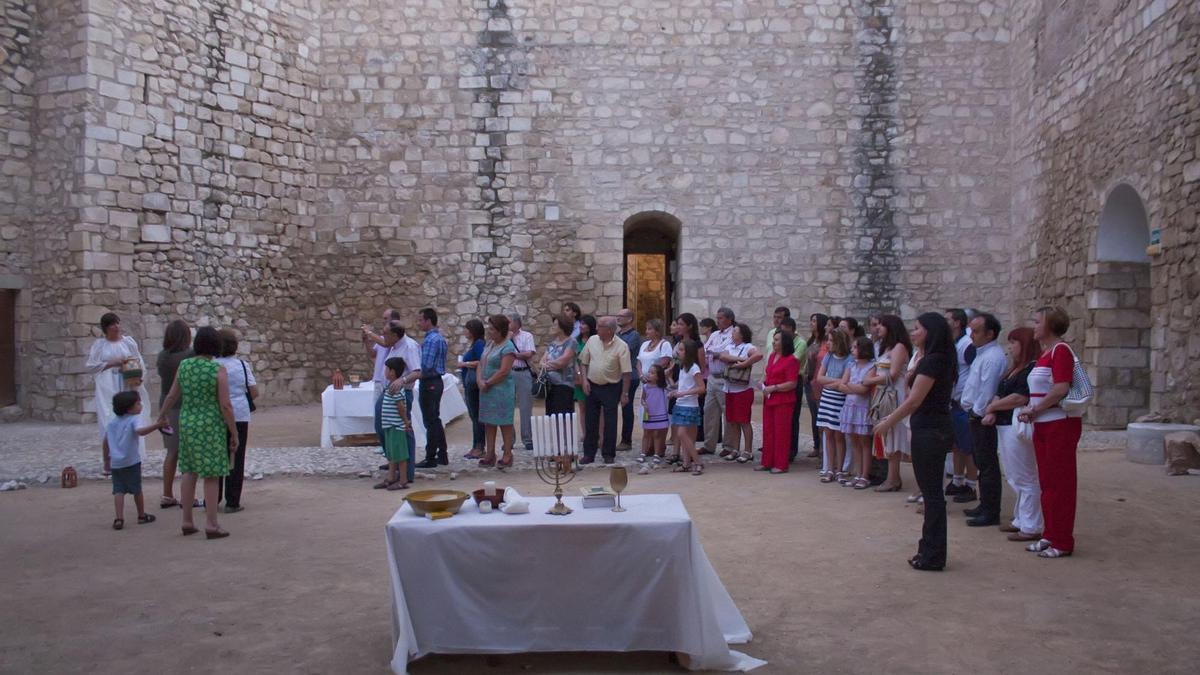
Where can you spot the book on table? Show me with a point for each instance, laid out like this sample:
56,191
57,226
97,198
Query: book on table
595,497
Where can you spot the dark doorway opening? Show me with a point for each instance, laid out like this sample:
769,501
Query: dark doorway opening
1117,342
8,347
651,254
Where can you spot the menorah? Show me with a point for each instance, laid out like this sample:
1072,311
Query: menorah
554,443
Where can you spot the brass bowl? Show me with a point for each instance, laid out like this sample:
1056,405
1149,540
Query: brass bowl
428,501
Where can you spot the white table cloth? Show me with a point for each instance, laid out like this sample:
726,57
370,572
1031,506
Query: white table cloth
590,581
351,410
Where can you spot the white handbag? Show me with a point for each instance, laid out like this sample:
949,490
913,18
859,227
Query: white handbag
1080,394
1024,429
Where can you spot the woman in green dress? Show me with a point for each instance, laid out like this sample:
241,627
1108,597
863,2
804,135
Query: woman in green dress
207,433
587,328
497,394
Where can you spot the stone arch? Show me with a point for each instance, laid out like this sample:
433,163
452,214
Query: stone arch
1117,343
1124,231
650,265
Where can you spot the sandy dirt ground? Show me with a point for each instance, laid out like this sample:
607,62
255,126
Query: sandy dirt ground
817,570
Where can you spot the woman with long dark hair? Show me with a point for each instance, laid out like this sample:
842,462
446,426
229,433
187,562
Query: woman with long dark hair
928,403
814,354
894,352
177,346
1017,455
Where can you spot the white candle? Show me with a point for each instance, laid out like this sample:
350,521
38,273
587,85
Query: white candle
485,507
489,487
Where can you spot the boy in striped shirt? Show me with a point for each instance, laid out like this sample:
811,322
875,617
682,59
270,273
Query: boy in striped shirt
394,421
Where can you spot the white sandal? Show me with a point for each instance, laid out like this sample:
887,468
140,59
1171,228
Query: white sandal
1038,546
1054,553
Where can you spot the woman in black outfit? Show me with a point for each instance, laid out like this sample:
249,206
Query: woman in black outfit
928,403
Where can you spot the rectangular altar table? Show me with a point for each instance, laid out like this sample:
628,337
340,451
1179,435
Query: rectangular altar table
351,410
593,580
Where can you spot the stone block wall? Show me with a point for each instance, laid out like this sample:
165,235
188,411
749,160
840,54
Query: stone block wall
1104,94
17,29
291,167
199,148
170,178
817,154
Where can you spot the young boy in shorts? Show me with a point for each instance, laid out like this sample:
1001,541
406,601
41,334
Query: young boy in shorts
123,457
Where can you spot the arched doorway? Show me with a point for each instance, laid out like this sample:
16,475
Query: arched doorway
1118,340
651,252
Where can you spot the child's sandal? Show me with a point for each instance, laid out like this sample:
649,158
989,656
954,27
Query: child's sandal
397,485
118,523
146,518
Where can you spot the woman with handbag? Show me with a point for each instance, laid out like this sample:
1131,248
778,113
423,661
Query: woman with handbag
558,366
739,357
116,362
1055,433
1017,455
243,389
891,388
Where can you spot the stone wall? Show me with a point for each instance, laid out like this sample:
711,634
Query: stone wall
16,134
17,26
1104,94
816,153
162,150
290,167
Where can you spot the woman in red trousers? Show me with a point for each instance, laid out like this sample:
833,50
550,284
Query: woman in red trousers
1055,433
779,394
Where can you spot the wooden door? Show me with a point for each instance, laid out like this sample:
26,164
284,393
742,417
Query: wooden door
8,347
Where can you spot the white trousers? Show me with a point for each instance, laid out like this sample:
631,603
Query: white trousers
1019,463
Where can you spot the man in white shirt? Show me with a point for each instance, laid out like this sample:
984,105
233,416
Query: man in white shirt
982,382
523,376
377,346
962,485
714,404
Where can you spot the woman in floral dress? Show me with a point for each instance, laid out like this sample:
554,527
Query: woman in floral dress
207,433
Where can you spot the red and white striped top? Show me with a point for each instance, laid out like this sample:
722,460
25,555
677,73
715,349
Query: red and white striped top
1053,366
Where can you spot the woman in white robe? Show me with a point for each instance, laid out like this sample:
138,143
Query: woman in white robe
105,360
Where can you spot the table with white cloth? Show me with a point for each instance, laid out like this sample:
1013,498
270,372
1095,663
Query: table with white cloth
593,580
350,410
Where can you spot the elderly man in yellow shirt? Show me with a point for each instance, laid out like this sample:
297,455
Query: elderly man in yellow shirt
606,376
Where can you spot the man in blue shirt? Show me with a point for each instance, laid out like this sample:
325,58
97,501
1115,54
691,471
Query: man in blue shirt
983,380
433,366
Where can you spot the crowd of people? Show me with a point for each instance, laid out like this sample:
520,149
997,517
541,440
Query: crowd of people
943,394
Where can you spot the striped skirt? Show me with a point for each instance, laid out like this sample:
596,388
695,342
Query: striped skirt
829,411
